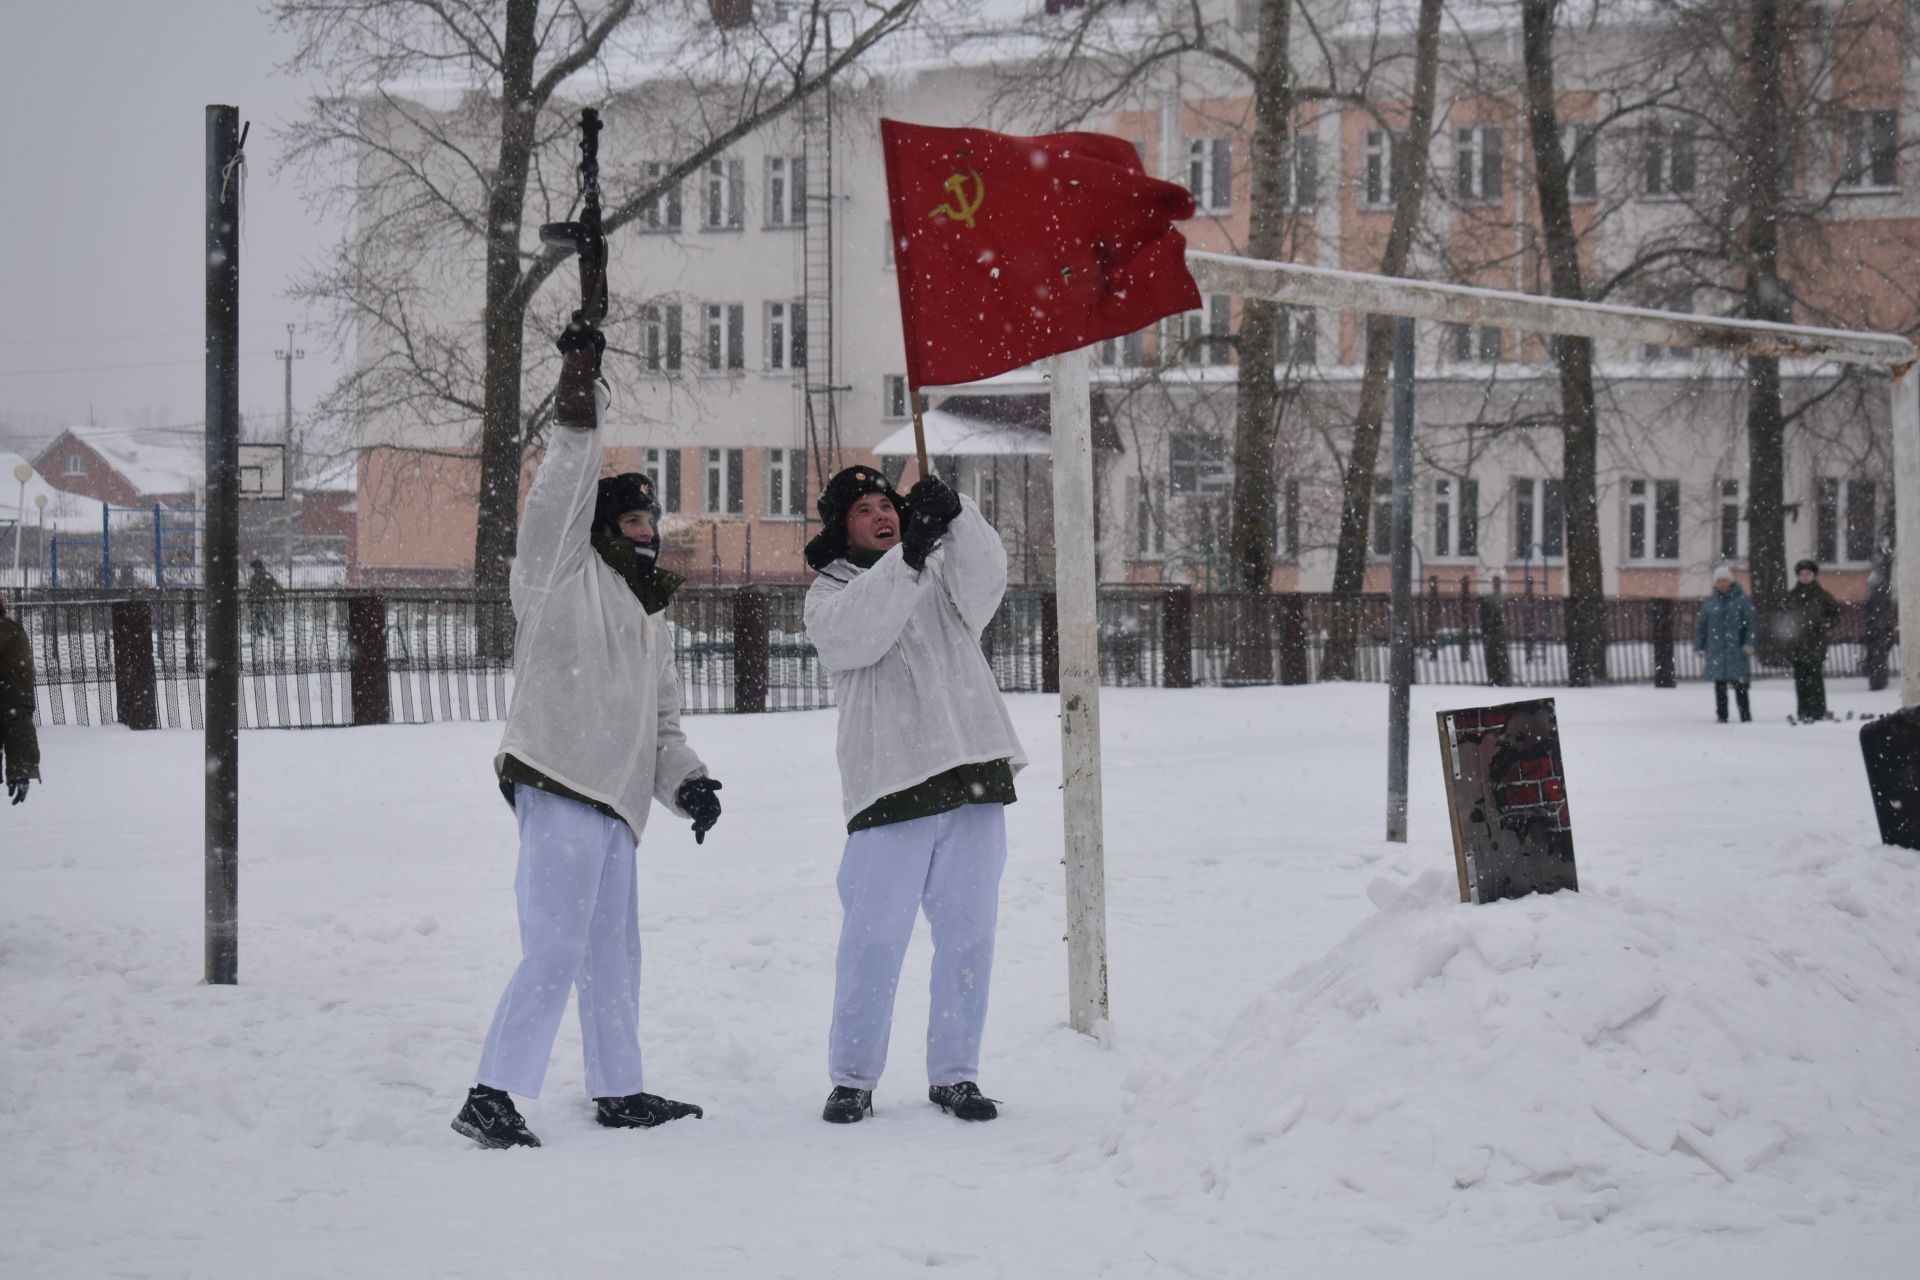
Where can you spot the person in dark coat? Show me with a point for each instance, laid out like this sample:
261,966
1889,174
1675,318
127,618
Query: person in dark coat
1813,612
263,602
19,742
1725,631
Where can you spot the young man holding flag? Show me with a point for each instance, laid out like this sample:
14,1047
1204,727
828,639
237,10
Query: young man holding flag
927,756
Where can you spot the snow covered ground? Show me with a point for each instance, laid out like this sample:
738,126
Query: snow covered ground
1320,1063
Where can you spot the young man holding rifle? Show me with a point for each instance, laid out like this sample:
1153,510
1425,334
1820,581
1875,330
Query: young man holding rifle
593,739
927,756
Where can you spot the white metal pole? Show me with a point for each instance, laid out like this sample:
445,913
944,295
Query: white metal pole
1906,546
1078,611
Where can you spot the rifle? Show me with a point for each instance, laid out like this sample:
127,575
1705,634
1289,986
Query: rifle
585,238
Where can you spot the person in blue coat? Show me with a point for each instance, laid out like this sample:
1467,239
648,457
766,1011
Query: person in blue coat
1725,632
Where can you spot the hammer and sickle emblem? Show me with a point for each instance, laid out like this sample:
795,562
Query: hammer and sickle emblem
961,208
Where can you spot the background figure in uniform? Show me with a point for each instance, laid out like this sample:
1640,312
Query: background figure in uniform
927,756
263,603
1725,631
593,739
1813,612
19,741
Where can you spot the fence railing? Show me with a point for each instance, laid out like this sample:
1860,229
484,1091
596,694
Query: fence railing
312,658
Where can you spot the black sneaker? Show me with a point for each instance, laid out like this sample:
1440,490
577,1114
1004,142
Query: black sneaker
490,1120
846,1105
964,1100
642,1111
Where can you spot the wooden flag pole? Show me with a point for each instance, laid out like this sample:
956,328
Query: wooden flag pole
919,435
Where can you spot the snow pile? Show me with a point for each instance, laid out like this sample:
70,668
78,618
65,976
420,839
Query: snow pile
1529,1068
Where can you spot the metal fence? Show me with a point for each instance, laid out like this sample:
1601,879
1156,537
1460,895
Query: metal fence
314,658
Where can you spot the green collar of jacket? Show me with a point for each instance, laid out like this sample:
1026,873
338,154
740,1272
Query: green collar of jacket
652,590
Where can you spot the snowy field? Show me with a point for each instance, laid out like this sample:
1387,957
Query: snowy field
1320,1064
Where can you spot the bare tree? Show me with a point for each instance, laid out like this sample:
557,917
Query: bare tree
1411,181
439,130
1580,431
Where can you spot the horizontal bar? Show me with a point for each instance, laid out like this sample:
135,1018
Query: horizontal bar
1304,286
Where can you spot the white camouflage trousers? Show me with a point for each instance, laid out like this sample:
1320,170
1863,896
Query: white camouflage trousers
579,927
949,865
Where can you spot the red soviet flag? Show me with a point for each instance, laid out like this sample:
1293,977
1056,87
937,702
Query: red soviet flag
1009,249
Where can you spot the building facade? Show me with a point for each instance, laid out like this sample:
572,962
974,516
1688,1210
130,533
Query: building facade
760,345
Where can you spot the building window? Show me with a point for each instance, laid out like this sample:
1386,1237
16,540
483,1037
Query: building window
1210,173
726,335
725,190
1670,159
1581,150
726,472
1130,351
74,464
660,337
663,468
1297,336
1456,518
1380,530
1477,157
1653,520
1196,464
1286,520
1473,343
1208,336
1539,519
786,483
1303,172
986,495
1844,521
1872,147
786,335
786,191
1150,531
1681,301
1381,166
894,400
1730,521
663,214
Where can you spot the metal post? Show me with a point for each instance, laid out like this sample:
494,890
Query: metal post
159,556
1400,663
1073,571
288,489
1906,514
106,545
223,539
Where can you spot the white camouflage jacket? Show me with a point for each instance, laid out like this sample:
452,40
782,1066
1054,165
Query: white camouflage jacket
916,695
596,699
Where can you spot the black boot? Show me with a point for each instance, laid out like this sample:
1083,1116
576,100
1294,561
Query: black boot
642,1111
964,1100
846,1105
489,1119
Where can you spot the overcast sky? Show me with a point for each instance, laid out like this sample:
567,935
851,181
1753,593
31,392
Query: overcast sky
102,282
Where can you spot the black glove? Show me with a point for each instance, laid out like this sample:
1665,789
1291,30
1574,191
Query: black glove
931,507
17,789
920,538
696,797
931,500
574,404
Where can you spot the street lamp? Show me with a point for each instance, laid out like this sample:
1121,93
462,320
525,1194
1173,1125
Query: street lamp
22,472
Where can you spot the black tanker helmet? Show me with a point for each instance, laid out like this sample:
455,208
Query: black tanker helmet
836,500
629,491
